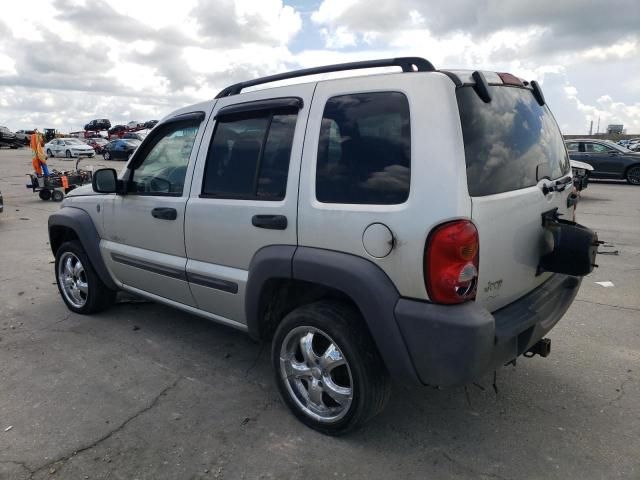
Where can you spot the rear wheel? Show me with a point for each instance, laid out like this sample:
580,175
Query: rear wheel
327,367
79,285
57,195
633,175
106,156
67,154
44,194
49,154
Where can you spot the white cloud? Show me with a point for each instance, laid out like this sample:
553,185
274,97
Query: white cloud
76,60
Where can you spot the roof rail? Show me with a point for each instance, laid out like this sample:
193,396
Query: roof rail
408,64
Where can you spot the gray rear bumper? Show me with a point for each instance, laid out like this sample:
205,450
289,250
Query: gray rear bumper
456,344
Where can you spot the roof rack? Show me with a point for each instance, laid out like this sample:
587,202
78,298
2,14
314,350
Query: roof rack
408,64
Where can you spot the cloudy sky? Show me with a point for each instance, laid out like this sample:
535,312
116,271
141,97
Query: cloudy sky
65,62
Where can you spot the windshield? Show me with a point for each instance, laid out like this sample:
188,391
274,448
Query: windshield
507,140
73,141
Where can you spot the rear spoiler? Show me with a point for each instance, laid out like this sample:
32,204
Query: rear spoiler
480,80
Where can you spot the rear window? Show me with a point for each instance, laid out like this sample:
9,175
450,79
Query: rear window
510,142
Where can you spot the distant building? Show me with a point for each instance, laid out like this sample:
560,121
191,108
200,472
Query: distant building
615,129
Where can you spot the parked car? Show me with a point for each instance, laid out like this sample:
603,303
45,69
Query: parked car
98,124
117,130
120,149
581,172
134,135
135,124
634,145
68,147
150,123
608,159
97,143
374,253
24,136
8,138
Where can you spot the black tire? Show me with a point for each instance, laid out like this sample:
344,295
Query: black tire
67,154
44,194
49,154
106,156
344,327
57,195
633,175
99,297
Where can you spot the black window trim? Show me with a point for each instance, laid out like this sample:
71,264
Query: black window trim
270,105
159,132
251,113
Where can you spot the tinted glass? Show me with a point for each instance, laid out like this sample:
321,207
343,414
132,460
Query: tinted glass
506,140
573,146
249,157
164,167
365,149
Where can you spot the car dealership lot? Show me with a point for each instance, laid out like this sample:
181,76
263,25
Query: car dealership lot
144,391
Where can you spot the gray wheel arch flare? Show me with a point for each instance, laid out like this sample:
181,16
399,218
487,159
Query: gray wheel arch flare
361,280
80,223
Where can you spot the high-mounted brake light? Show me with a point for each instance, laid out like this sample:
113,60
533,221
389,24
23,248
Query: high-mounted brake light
509,79
451,262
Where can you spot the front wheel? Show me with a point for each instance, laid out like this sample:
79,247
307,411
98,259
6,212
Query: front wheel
79,285
327,368
49,154
633,175
57,195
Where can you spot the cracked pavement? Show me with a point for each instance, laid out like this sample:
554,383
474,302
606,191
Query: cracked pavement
146,392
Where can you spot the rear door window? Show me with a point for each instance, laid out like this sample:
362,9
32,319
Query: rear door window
509,140
249,156
364,153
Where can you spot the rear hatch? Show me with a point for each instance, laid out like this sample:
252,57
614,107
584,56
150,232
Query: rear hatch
517,169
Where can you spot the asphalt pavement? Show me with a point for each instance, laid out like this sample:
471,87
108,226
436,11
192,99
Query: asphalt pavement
143,391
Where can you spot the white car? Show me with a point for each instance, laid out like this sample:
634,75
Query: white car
69,148
135,124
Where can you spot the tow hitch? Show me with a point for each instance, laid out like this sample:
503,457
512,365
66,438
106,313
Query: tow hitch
542,348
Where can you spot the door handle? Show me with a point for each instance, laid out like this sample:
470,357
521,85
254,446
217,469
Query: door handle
164,213
272,222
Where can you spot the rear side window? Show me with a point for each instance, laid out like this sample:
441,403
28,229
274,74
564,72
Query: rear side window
249,157
573,146
509,141
365,149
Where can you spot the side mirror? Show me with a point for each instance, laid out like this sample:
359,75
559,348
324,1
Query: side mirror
105,180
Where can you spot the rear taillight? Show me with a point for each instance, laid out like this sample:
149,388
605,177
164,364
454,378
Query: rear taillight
451,262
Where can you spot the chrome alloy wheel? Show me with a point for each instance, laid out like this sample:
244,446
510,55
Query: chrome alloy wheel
316,374
73,279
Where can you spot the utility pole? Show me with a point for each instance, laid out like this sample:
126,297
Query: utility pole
591,128
598,129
